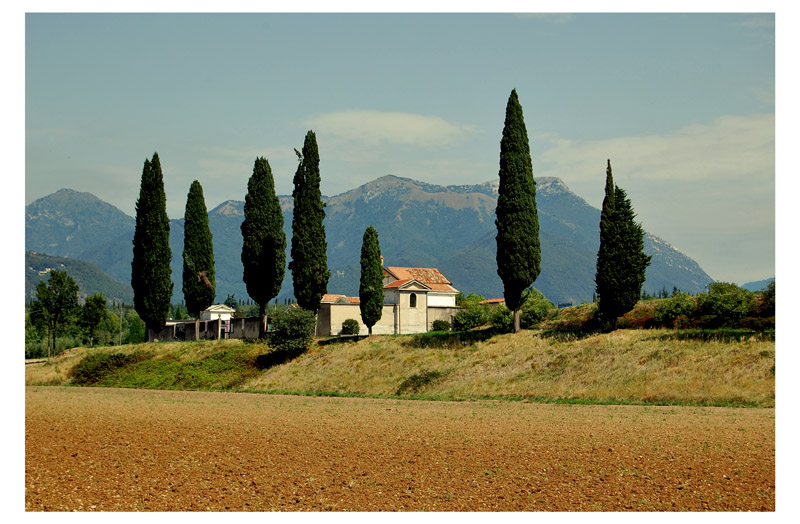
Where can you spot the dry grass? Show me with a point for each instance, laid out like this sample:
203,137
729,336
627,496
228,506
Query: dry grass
626,366
623,366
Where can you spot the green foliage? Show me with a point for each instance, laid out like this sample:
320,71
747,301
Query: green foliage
535,309
199,278
309,264
264,241
93,368
151,276
55,306
136,329
727,302
440,325
768,300
473,314
501,318
370,290
669,310
230,301
92,314
621,261
178,312
518,246
293,330
350,327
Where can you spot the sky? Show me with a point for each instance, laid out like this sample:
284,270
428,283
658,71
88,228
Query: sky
683,104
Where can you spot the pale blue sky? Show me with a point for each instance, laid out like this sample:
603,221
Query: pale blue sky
682,104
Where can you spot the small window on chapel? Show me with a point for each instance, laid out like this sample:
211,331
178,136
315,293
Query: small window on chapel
413,299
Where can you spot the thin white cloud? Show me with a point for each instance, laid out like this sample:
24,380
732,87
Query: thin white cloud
374,128
730,148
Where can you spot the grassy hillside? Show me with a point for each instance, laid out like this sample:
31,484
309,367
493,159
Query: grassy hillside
626,366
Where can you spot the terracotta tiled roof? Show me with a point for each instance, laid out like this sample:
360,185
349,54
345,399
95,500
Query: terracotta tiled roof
333,299
426,275
493,301
401,283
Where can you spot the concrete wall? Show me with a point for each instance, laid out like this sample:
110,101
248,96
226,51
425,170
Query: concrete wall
210,329
412,320
441,313
437,300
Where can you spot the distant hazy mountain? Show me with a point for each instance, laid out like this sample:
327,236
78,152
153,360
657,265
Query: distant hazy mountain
758,285
90,278
419,224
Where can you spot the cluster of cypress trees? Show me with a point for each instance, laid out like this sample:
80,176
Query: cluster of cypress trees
621,261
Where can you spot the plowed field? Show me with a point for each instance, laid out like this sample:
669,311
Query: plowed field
94,449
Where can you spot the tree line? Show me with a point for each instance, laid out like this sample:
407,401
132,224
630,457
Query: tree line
263,248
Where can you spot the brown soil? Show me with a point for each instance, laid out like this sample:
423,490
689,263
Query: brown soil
109,449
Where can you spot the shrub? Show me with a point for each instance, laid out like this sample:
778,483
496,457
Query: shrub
535,309
440,325
350,327
293,330
669,310
728,302
473,314
501,318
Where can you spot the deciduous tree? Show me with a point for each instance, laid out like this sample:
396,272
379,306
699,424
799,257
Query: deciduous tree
93,312
518,247
56,305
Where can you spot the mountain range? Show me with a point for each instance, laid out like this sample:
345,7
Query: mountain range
419,225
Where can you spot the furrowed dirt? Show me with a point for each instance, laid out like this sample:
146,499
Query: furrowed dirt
90,449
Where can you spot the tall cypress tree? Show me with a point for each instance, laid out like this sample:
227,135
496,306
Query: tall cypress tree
309,264
621,261
518,247
370,290
151,276
264,242
199,281
605,276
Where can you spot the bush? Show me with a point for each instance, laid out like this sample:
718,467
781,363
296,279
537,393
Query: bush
501,318
728,302
473,314
535,309
669,310
350,327
293,330
440,325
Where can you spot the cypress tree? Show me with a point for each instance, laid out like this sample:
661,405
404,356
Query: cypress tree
518,247
370,290
151,276
264,242
309,264
605,276
621,261
199,281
